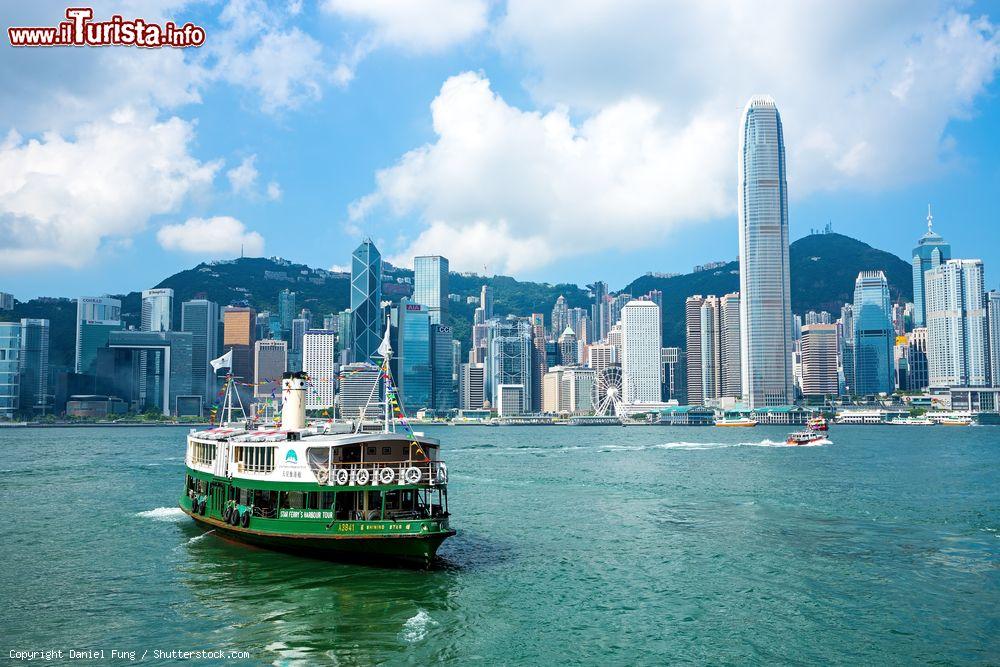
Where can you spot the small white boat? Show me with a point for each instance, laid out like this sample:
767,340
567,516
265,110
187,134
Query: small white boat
804,438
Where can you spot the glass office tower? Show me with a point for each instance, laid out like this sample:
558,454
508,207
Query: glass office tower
873,335
765,309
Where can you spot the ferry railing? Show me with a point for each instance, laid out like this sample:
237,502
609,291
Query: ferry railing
371,473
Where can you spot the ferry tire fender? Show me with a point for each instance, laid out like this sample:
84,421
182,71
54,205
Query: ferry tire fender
342,477
202,507
362,477
246,519
386,476
225,514
411,475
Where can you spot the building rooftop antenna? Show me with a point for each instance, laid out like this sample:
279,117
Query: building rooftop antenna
930,219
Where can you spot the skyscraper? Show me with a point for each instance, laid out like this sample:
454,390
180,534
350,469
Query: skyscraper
569,349
956,324
674,375
33,365
10,377
430,286
157,309
471,387
993,330
270,361
931,251
286,309
366,301
873,335
641,352
765,311
413,356
486,302
96,318
200,317
916,359
238,336
729,323
711,350
509,360
442,387
560,316
598,312
692,316
819,360
319,361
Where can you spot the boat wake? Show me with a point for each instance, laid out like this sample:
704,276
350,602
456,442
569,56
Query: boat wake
171,514
415,628
697,446
196,538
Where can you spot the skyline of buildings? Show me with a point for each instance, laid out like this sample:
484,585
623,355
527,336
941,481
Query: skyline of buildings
743,349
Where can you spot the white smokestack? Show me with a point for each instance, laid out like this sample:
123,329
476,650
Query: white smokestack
293,401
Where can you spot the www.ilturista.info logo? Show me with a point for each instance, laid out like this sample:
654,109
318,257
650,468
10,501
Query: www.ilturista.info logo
80,30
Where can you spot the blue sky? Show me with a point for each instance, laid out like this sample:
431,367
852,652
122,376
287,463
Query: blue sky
556,141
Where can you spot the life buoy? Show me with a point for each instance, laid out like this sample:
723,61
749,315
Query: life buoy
361,477
411,475
442,473
342,476
386,476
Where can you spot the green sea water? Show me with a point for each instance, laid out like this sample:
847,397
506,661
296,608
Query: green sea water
589,545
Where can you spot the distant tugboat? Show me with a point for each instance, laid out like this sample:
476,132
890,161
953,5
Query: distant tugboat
305,488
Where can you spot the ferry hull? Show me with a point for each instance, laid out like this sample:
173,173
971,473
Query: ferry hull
408,549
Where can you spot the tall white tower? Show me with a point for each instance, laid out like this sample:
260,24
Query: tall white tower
765,308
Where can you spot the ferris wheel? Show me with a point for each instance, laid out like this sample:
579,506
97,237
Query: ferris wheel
609,392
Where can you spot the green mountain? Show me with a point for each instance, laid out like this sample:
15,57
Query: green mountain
823,269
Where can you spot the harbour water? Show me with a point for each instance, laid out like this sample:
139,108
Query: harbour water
589,545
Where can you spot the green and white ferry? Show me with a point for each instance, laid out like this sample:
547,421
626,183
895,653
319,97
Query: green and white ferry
312,488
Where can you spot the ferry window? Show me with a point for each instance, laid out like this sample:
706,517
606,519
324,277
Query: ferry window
372,450
386,451
326,500
296,500
312,500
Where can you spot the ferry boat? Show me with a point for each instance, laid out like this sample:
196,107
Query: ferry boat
369,497
955,421
736,422
818,424
910,421
803,438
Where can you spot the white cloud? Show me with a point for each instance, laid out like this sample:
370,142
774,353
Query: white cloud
414,26
257,50
61,197
274,191
853,79
418,26
243,177
220,236
518,189
642,102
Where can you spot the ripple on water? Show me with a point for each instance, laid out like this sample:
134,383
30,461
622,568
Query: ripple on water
170,514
